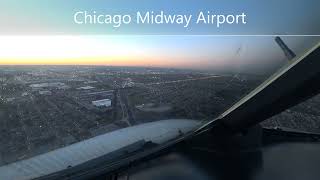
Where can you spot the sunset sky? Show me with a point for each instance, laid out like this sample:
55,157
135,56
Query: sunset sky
195,52
42,32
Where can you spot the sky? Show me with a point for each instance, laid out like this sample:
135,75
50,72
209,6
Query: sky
43,32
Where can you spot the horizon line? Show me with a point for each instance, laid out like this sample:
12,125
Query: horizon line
213,35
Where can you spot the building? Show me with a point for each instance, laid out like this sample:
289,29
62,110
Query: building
85,88
102,103
45,93
57,85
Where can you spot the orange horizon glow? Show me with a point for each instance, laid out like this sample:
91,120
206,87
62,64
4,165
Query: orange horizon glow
99,51
95,61
74,50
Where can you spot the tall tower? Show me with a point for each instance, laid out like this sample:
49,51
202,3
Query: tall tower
287,51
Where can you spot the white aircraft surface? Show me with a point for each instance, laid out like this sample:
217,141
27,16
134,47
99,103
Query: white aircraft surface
57,160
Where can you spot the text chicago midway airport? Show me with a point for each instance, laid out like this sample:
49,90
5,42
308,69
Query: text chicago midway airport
151,17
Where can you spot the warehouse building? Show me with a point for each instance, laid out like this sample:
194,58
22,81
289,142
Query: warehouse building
102,103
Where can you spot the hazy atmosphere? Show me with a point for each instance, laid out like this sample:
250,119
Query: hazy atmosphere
222,54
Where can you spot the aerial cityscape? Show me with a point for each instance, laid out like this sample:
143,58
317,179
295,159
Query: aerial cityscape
159,89
48,107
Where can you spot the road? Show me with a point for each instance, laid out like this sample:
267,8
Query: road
124,101
183,80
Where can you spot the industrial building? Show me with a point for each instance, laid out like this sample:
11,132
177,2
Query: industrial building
102,103
85,88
